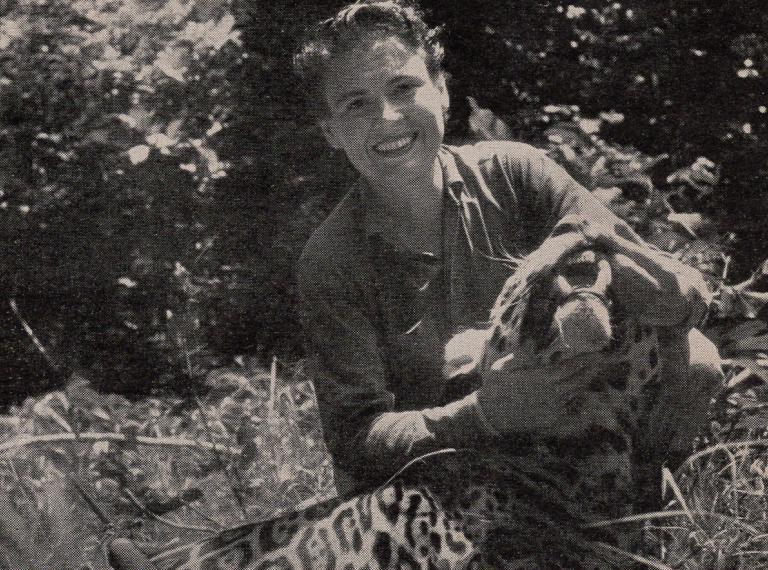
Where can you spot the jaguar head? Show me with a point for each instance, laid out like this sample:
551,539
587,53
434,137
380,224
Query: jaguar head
556,306
582,317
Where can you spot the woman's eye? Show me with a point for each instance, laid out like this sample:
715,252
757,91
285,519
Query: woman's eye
404,87
354,105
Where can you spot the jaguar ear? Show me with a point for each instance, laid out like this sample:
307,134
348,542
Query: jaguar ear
465,352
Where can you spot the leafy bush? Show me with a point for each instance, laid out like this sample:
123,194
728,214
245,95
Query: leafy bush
112,116
159,177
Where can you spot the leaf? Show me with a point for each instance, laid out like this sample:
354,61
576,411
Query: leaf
750,367
599,167
568,153
173,61
590,126
223,33
250,455
159,503
101,414
702,176
746,330
749,336
215,166
43,409
612,117
748,298
215,128
191,495
138,118
759,343
113,60
161,141
173,129
484,123
694,224
742,302
138,153
8,34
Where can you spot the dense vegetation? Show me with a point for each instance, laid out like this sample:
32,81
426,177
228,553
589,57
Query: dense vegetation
159,175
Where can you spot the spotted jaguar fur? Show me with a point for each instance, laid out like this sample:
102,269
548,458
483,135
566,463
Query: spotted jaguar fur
398,526
526,502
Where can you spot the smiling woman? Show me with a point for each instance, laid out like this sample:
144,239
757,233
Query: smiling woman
420,246
382,100
386,113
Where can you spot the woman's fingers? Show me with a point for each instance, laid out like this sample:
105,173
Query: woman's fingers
617,234
505,372
621,239
638,265
532,399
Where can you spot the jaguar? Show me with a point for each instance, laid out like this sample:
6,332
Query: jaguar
534,500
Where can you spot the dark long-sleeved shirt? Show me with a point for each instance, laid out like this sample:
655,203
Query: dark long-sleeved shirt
377,319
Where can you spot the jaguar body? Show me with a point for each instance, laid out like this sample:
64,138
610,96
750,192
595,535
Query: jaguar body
528,501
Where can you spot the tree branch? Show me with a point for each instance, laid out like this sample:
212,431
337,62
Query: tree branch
23,441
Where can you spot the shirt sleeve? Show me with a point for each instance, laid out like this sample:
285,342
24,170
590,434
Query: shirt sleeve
344,358
551,196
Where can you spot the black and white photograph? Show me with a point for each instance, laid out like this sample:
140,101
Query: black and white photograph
383,285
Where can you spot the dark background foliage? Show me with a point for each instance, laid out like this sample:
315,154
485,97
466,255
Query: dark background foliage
156,185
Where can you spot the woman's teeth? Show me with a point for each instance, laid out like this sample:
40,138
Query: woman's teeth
394,145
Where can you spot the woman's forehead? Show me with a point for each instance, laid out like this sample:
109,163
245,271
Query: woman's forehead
374,58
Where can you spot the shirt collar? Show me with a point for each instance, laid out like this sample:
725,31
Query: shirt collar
453,183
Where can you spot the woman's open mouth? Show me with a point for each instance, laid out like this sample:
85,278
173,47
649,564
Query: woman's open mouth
395,147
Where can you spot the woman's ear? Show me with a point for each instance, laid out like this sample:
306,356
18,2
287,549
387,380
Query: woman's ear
465,352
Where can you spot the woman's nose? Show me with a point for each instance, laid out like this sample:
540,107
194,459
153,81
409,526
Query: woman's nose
390,111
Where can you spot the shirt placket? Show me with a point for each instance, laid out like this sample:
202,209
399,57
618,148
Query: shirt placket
453,276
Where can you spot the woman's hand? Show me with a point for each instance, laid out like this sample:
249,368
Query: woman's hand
649,283
536,399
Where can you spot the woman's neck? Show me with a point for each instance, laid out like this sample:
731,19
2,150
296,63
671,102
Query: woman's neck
409,212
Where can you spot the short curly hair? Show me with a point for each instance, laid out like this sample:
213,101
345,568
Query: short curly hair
349,28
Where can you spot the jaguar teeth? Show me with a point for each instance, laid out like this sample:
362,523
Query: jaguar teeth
396,144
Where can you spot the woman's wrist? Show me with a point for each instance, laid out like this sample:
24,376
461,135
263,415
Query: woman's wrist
460,424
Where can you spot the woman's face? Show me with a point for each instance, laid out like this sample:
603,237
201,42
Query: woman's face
385,111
